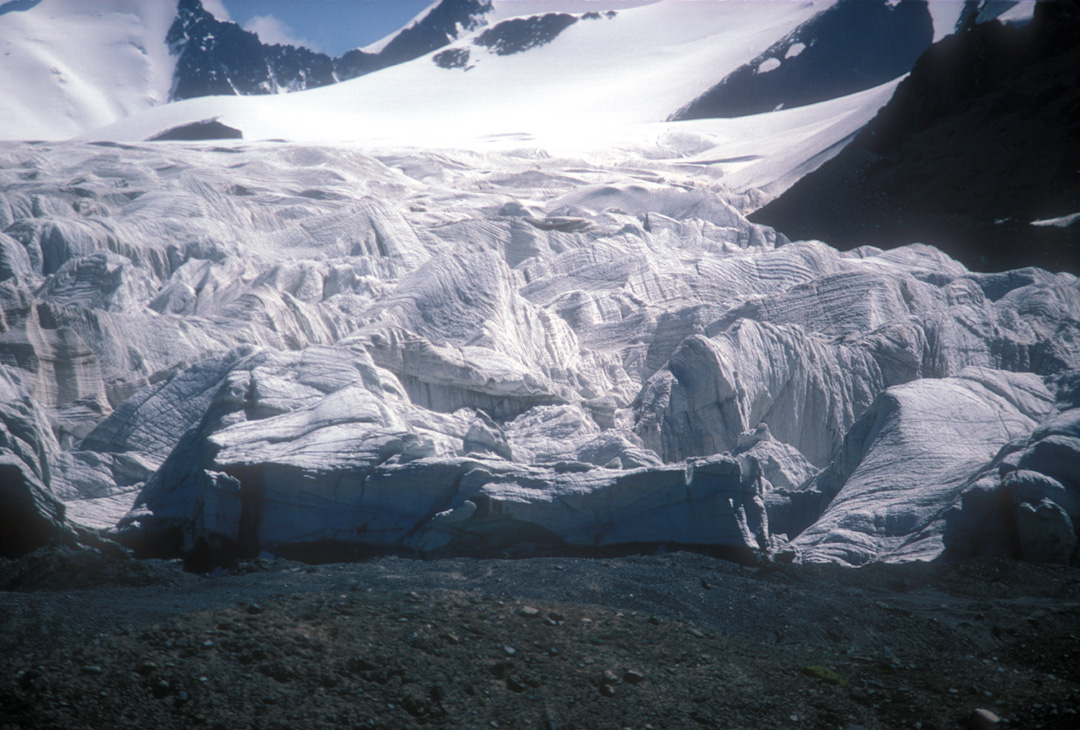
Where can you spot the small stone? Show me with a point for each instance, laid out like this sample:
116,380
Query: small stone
208,643
92,669
632,676
697,633
706,585
161,689
556,616
611,677
607,690
509,650
147,667
529,611
254,608
983,719
514,684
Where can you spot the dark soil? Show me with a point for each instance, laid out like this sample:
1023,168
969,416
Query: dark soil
674,640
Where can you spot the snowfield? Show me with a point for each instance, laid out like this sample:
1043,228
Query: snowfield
66,67
594,78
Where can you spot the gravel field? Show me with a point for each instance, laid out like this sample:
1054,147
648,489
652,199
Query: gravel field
669,640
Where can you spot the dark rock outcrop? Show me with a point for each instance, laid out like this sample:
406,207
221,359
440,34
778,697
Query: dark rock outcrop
220,58
445,23
852,46
520,34
982,139
198,131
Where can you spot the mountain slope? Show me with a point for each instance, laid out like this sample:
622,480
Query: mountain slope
979,142
593,77
216,57
220,58
852,46
64,70
68,66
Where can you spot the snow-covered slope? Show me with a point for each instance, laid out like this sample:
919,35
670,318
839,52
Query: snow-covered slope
68,66
595,74
64,70
583,82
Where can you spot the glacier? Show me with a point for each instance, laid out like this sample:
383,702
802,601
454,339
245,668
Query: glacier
213,350
538,322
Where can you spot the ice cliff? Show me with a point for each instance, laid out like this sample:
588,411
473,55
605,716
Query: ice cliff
218,350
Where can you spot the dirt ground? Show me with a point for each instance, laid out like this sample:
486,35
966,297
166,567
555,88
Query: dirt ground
671,640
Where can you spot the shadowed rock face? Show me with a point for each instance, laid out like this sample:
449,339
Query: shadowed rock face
219,57
852,46
982,139
446,22
198,131
521,34
215,58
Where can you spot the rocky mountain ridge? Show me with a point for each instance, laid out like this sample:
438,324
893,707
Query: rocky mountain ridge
219,57
976,153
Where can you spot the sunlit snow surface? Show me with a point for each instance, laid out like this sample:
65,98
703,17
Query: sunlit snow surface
71,65
593,79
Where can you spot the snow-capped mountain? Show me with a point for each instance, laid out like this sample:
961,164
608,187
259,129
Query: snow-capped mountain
583,77
72,66
220,58
68,66
215,57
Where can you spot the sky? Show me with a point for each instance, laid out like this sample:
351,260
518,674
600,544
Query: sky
329,26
